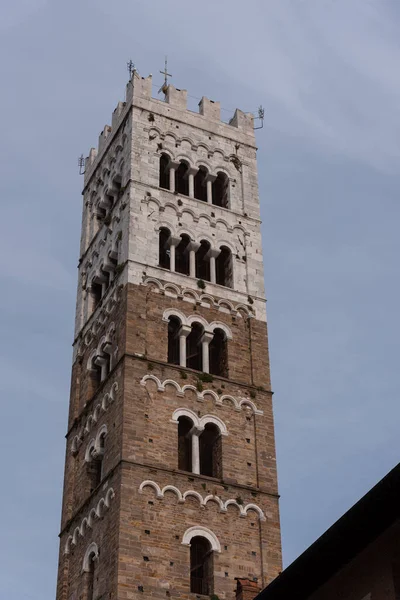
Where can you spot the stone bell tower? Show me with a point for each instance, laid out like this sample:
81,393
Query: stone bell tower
170,476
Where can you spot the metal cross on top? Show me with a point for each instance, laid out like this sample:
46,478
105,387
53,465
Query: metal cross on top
164,87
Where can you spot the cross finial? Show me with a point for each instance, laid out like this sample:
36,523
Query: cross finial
164,87
131,68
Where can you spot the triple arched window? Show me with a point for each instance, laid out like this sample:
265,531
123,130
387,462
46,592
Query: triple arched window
198,347
196,259
197,183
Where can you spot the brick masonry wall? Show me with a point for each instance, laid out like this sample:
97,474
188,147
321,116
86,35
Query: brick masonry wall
142,444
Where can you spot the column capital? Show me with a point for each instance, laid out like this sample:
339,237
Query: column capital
206,337
173,241
213,253
173,165
210,177
196,430
184,330
192,170
192,247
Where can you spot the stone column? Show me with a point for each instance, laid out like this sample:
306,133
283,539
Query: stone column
183,333
172,243
191,173
172,167
196,431
212,255
209,182
192,249
205,342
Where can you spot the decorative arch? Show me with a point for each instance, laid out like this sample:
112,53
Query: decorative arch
185,412
92,553
218,325
173,312
201,531
152,484
215,421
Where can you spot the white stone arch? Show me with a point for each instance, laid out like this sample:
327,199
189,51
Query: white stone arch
172,134
102,432
229,245
216,499
224,223
251,405
187,293
207,298
155,129
206,217
194,494
153,280
215,421
67,547
100,508
199,530
165,225
225,304
211,393
167,151
76,535
231,399
185,412
168,287
174,312
89,449
160,386
204,237
222,169
234,503
182,157
92,553
152,484
190,212
256,509
189,387
92,517
174,384
184,231
84,526
197,319
190,140
218,325
174,207
173,489
109,496
92,356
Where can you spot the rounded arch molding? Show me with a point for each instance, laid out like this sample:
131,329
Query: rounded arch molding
199,530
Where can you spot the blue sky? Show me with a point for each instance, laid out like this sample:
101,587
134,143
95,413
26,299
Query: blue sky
327,74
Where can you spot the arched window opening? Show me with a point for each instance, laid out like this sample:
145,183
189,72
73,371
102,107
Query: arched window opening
185,444
200,187
224,268
201,566
105,275
90,578
94,378
117,186
211,451
96,291
218,349
203,263
182,255
181,179
95,470
164,251
194,359
174,326
220,191
164,172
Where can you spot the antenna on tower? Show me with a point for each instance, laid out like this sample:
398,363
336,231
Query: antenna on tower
81,165
130,65
260,116
164,87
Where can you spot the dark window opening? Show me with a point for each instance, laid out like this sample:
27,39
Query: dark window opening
174,325
181,179
200,186
117,185
223,267
219,354
201,566
97,292
211,451
105,277
164,251
220,191
95,473
194,359
182,255
203,263
184,444
164,172
90,579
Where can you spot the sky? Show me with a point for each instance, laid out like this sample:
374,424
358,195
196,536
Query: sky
326,72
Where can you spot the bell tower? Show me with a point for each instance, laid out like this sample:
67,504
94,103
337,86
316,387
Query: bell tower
170,476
